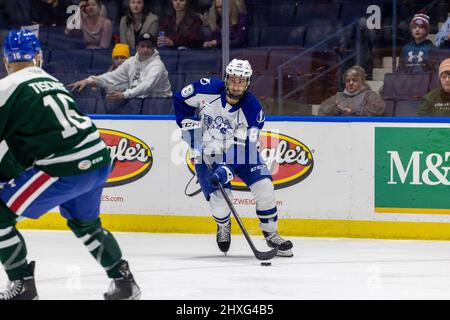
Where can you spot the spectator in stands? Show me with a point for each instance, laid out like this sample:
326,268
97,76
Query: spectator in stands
238,25
437,102
97,30
443,36
120,53
358,99
181,28
137,21
51,13
415,56
144,74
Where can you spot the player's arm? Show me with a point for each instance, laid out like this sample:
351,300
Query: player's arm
186,110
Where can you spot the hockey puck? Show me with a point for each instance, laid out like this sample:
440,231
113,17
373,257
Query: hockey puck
266,264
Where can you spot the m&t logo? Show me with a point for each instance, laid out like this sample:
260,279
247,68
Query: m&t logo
412,170
433,172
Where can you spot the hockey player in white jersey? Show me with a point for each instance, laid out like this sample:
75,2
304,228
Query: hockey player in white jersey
221,120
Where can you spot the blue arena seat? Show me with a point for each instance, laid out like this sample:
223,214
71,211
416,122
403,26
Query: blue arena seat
177,81
128,106
101,61
58,40
70,60
170,58
199,61
157,106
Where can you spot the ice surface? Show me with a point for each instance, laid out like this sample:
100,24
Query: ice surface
185,267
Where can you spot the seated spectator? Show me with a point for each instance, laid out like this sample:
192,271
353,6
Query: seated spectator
358,99
120,53
443,36
415,56
144,74
137,21
181,28
50,13
437,102
238,25
97,30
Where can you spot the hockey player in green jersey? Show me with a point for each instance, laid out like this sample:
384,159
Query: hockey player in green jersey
67,165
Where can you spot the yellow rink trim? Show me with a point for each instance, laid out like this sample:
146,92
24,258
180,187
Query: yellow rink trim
412,210
287,227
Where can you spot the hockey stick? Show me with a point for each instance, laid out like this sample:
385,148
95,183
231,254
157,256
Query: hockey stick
260,255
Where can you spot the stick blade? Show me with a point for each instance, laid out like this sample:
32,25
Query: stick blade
266,255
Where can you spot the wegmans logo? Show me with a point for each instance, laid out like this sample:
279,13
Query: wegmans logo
412,170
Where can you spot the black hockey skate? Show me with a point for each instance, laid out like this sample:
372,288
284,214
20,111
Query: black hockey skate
274,240
224,236
22,289
124,288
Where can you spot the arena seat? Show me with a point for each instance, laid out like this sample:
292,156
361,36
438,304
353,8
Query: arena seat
157,106
170,58
398,86
256,56
199,61
407,108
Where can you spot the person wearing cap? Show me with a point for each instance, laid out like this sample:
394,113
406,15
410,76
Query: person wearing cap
144,74
437,102
443,36
415,56
120,53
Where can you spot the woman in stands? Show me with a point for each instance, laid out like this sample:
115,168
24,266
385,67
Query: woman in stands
97,29
137,21
437,102
182,27
238,24
358,99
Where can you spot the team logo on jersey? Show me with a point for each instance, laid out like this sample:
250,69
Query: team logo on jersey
132,158
261,117
218,127
205,81
288,160
84,165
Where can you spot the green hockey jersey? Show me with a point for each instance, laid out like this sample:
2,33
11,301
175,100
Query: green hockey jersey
42,126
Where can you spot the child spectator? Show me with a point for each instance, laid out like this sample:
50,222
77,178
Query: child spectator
437,102
443,36
238,24
415,56
137,21
97,30
358,99
182,27
120,53
144,75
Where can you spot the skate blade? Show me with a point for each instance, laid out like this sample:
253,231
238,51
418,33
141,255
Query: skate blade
286,254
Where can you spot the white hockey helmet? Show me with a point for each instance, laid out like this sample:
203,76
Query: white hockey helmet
238,68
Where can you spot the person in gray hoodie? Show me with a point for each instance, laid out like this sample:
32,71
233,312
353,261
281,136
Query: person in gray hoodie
358,99
144,75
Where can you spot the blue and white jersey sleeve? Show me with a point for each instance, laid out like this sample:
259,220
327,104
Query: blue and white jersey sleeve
253,112
187,101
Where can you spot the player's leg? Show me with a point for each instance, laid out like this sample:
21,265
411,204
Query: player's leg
219,208
13,253
258,178
18,199
266,210
82,214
